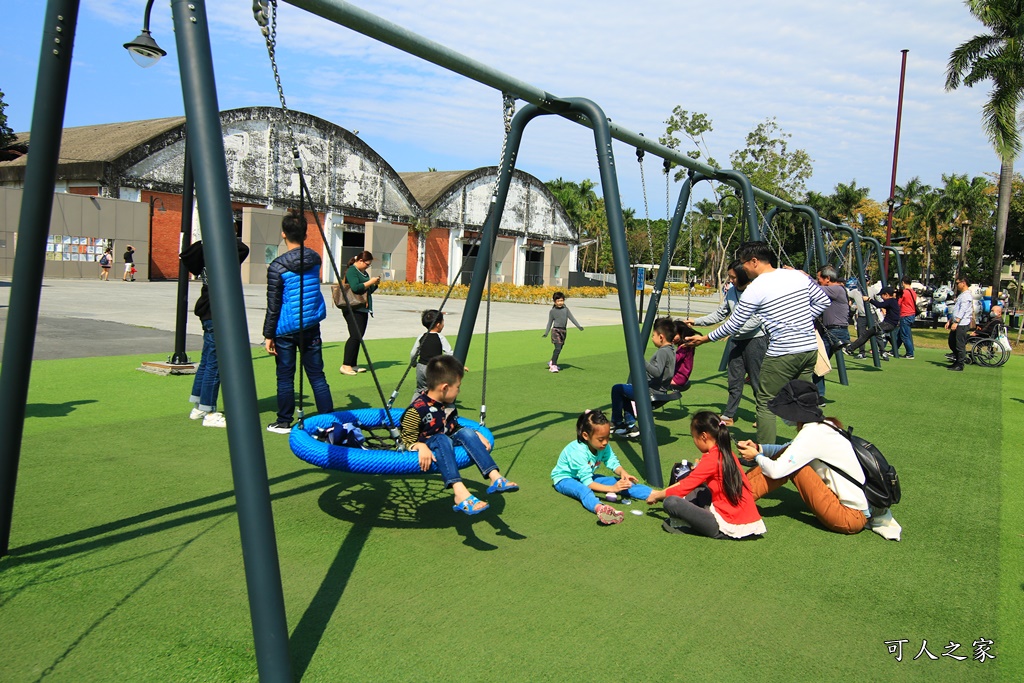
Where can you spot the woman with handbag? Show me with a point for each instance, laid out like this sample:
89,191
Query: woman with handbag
357,289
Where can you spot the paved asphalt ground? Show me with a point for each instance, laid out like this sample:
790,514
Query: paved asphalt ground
88,318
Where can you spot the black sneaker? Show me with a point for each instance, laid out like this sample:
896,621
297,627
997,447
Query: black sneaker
956,368
280,427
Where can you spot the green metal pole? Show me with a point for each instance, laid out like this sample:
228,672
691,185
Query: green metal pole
620,258
862,276
881,259
245,442
59,23
573,108
819,239
666,256
899,260
489,232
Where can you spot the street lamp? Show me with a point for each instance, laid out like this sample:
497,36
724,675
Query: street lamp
144,49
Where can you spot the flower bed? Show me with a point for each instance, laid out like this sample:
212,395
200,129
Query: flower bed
499,291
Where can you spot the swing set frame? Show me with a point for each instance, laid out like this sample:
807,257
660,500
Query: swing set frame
245,438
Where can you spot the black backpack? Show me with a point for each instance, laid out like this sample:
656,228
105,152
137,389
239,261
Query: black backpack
881,483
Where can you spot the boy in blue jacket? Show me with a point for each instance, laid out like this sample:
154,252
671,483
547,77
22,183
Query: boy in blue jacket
295,308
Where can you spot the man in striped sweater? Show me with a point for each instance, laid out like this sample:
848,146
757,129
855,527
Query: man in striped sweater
787,302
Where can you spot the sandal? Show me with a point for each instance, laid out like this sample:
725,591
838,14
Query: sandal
469,506
346,372
502,485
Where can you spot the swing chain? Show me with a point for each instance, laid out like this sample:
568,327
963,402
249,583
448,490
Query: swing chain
508,110
647,211
265,13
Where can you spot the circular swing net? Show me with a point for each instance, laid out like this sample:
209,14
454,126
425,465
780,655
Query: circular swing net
364,441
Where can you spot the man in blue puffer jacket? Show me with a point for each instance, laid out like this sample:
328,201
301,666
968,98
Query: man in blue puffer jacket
295,308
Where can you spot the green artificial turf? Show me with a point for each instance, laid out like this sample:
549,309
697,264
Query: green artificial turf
126,564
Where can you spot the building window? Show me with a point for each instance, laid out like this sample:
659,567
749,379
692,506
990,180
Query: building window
270,253
385,260
558,271
497,267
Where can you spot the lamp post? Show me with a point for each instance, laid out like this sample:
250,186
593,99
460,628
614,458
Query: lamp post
144,49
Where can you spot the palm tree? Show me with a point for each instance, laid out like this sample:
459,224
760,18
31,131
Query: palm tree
965,203
909,211
931,211
997,56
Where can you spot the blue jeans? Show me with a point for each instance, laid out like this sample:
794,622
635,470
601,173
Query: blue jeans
206,384
906,336
574,488
621,393
443,448
312,361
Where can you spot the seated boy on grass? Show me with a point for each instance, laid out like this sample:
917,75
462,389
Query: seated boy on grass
430,427
660,370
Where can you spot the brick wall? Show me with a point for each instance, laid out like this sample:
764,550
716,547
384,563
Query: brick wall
436,267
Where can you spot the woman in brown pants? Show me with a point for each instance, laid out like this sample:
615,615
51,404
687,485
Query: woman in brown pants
808,461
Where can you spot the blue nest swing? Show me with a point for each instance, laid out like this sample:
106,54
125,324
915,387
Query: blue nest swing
365,460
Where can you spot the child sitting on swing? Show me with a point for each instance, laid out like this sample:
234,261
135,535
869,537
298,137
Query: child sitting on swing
430,427
684,356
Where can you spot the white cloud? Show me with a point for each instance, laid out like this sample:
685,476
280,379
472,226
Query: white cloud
828,72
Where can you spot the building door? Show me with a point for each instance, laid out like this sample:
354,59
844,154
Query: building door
469,254
352,244
534,268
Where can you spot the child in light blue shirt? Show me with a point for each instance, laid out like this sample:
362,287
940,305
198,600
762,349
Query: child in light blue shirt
573,475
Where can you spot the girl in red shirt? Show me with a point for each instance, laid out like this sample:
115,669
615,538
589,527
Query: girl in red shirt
715,499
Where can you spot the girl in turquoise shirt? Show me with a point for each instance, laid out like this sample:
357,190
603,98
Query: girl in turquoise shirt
573,475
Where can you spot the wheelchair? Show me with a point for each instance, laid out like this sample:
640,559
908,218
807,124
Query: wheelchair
989,351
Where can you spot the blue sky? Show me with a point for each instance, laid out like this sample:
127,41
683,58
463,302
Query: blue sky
828,72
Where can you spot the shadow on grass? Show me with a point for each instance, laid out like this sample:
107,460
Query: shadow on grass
54,409
397,503
122,530
530,426
127,596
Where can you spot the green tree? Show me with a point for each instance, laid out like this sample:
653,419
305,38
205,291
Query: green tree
693,127
7,136
996,56
966,203
909,222
944,262
770,164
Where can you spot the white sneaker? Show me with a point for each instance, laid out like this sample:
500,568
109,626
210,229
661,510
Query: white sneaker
611,497
279,428
197,414
553,368
214,420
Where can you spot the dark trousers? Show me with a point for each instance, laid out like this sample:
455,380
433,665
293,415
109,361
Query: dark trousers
693,509
882,329
356,321
745,358
958,344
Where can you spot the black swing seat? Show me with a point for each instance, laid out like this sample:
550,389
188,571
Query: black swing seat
660,398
